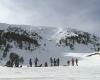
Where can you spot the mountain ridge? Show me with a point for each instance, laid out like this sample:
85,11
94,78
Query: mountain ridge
45,42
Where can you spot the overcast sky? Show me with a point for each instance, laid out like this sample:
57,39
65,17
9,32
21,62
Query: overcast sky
79,14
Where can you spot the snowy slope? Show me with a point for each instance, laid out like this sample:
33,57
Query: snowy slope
87,59
50,45
92,59
88,69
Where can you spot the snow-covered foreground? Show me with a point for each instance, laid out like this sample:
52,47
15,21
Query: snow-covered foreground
88,69
51,73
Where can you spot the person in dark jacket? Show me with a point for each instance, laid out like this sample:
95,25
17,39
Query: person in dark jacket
46,64
68,62
58,62
72,61
51,61
30,62
76,62
55,62
36,61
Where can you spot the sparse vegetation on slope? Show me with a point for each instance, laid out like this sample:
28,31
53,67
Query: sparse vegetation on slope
22,39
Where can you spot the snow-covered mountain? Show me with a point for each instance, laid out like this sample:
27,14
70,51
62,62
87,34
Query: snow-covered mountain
44,42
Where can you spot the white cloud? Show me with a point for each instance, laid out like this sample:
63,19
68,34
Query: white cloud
73,13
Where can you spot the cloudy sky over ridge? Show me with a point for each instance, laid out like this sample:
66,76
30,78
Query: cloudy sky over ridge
80,14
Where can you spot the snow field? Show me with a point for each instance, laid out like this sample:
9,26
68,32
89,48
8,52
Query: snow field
51,73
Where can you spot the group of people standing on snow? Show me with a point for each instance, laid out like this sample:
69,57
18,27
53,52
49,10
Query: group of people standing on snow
72,62
53,62
35,62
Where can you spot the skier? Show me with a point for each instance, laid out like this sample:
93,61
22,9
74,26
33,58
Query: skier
46,64
72,61
51,61
55,62
68,63
30,62
58,62
76,62
36,60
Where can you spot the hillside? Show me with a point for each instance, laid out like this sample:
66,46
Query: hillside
44,42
